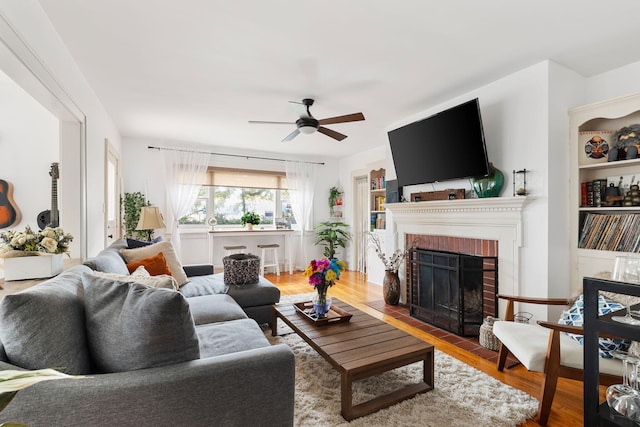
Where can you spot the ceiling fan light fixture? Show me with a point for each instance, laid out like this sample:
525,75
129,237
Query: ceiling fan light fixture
307,129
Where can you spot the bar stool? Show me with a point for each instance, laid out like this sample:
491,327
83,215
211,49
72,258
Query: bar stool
272,247
228,250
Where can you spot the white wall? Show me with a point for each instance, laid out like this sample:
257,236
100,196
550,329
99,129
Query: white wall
612,84
28,19
526,126
29,144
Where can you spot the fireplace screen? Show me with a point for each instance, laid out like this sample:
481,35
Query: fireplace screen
452,291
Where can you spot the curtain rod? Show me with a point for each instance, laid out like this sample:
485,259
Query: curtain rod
232,155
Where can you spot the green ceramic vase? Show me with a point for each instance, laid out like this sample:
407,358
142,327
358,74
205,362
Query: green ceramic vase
490,185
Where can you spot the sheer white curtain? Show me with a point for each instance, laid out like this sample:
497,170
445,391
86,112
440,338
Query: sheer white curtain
301,180
185,172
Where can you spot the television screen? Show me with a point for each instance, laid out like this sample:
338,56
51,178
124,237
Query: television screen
447,145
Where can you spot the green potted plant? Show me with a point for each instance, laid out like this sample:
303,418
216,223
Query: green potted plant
334,195
131,205
249,219
332,235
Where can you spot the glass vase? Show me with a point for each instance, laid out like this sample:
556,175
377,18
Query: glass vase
321,303
490,185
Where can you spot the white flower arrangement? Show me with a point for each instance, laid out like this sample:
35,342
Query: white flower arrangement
394,261
29,242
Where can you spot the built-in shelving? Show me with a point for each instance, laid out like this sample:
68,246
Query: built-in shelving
603,118
378,186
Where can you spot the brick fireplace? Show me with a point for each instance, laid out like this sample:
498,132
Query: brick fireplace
452,281
458,245
491,227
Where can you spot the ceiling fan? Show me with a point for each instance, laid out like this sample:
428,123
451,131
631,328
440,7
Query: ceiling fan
308,124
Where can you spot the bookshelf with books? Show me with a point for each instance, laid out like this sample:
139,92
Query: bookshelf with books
602,226
378,187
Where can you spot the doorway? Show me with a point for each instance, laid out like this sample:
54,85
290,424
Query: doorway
111,194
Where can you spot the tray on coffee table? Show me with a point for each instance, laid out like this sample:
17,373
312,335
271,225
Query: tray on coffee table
335,314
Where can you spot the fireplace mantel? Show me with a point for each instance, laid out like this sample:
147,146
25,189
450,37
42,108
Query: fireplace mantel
496,218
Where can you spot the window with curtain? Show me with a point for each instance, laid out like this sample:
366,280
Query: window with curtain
227,194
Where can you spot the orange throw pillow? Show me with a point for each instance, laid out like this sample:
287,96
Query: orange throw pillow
155,265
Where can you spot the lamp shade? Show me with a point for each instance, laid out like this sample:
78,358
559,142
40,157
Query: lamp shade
150,219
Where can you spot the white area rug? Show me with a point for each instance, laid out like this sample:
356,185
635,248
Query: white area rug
463,396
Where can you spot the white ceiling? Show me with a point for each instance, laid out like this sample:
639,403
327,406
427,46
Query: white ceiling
199,70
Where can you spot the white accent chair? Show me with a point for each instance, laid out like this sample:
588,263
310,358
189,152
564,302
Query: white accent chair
544,347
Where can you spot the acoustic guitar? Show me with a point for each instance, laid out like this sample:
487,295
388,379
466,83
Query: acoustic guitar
9,212
51,218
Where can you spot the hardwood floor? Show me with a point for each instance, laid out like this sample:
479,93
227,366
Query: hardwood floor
355,290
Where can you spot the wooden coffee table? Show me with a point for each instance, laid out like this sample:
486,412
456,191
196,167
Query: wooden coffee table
361,348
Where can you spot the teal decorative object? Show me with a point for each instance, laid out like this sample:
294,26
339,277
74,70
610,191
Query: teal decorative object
490,185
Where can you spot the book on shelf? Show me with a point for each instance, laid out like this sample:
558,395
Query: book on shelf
592,193
378,183
611,232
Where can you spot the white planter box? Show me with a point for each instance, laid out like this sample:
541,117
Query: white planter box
32,267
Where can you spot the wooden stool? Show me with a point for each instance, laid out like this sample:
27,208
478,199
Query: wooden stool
228,250
273,247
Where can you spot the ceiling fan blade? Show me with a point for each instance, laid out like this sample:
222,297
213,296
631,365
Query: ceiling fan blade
291,135
301,109
355,117
332,133
271,123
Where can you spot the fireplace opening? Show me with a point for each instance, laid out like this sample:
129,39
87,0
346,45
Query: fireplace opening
453,291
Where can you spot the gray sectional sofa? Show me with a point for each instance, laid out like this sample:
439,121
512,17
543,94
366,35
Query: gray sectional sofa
151,356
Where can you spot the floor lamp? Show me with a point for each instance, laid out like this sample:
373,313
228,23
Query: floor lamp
150,219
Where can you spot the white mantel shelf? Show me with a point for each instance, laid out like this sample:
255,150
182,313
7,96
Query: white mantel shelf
494,218
492,204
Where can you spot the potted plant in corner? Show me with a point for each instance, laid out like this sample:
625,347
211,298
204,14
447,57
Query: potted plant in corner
332,235
334,197
249,219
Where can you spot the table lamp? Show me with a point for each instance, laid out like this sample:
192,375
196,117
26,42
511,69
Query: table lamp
150,219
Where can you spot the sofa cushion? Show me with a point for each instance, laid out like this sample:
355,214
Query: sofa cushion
209,284
254,295
214,308
575,316
44,326
141,275
132,326
230,337
131,255
108,262
155,265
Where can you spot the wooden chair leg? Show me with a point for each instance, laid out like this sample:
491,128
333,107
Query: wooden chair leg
502,357
551,371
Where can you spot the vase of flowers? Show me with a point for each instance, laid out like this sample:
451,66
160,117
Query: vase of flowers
322,275
391,281
33,254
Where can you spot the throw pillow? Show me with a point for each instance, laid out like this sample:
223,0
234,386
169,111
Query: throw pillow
155,265
140,275
131,255
133,243
132,326
575,316
43,326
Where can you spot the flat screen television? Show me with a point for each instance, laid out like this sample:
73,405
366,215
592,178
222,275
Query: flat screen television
448,145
